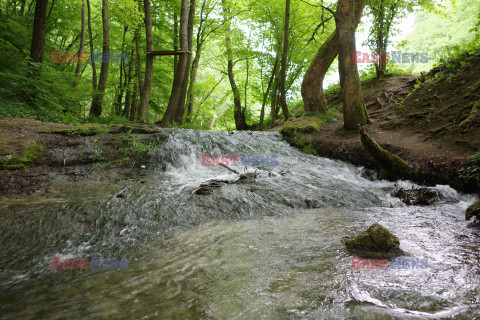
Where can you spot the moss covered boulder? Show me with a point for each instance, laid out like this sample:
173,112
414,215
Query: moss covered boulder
473,211
376,242
303,125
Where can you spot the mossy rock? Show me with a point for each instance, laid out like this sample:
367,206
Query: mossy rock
299,126
473,211
376,242
32,151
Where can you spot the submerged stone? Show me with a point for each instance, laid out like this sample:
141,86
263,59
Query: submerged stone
376,242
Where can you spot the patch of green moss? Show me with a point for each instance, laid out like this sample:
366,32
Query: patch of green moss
295,128
86,130
30,155
473,210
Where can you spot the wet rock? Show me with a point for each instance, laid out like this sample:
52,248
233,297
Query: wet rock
417,196
473,211
312,204
376,242
209,186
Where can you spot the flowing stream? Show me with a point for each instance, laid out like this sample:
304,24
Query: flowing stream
248,251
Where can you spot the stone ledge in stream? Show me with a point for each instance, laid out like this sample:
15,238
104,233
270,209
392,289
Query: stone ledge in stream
376,242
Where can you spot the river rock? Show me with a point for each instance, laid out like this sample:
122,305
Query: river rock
376,242
473,211
417,196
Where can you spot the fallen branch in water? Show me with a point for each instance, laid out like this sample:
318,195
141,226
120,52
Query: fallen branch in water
222,165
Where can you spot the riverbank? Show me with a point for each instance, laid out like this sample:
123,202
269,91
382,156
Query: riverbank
40,158
430,122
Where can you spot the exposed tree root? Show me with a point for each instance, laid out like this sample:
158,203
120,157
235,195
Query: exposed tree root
391,166
467,123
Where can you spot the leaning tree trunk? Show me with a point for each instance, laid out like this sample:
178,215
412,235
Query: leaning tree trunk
38,37
147,85
96,109
354,111
312,85
169,116
238,112
283,70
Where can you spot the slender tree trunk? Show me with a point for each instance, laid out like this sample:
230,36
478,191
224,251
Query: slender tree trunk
312,85
354,111
274,110
147,85
128,95
380,67
265,96
175,42
38,37
169,116
78,70
283,70
97,102
238,113
193,79
122,80
133,104
90,34
179,117
22,7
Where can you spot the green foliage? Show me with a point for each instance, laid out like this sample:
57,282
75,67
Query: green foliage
472,173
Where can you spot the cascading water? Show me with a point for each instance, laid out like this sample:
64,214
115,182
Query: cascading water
247,251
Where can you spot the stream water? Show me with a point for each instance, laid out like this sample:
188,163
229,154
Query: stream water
248,251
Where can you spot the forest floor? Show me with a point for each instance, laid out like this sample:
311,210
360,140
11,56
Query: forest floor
417,120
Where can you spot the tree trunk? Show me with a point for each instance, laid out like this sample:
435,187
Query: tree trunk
133,104
274,110
312,85
380,66
238,113
96,109
122,80
179,117
147,85
169,116
265,96
38,37
90,34
175,41
128,95
78,70
193,79
354,111
283,70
